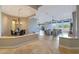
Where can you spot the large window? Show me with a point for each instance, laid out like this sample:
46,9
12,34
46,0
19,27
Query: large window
63,25
66,26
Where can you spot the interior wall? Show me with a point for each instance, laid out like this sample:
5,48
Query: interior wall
6,25
33,26
7,22
24,24
0,23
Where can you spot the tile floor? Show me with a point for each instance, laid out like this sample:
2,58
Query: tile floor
44,45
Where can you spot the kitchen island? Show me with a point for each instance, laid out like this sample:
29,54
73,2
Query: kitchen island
69,45
16,41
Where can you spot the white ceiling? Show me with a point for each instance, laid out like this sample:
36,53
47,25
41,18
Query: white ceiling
57,12
18,10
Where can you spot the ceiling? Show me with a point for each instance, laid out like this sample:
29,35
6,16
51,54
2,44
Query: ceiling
47,13
19,10
35,6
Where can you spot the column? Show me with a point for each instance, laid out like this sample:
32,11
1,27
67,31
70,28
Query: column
77,21
74,24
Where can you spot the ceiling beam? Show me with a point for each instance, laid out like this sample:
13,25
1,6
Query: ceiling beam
35,6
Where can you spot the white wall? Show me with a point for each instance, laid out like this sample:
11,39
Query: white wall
25,24
0,23
6,25
57,12
33,26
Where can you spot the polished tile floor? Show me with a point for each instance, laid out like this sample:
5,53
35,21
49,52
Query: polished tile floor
43,45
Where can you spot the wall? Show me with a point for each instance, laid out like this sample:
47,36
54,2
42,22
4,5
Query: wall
0,23
33,26
6,25
25,24
7,22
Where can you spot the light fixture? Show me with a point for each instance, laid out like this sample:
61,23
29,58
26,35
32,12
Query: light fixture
18,20
20,23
